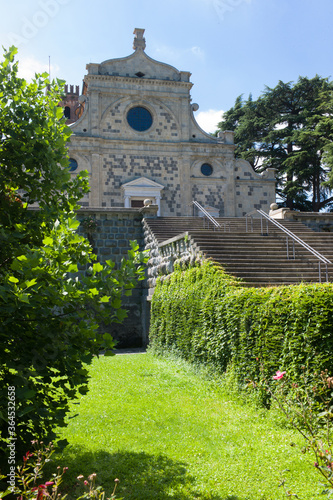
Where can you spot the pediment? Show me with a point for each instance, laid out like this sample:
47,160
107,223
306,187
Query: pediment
142,182
138,65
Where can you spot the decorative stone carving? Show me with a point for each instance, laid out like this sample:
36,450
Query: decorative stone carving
139,41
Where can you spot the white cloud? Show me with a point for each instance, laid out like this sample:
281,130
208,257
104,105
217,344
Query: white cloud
198,52
208,120
28,66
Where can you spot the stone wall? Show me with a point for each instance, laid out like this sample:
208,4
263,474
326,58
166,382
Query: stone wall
110,240
162,169
320,222
114,121
163,256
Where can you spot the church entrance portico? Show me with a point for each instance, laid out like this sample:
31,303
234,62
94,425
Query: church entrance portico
135,192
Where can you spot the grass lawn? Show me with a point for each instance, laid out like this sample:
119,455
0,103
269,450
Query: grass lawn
169,433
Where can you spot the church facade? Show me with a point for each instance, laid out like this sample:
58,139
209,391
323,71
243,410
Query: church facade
138,138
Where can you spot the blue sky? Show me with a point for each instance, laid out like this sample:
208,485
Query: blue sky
231,47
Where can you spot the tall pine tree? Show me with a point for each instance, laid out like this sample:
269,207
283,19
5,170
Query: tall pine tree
288,128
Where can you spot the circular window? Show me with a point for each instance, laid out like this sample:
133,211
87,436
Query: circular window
206,169
72,165
139,118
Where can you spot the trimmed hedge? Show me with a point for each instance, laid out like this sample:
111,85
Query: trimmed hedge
207,317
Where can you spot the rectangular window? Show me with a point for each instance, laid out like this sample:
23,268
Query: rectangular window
137,203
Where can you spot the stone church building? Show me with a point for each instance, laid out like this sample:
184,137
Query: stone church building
135,132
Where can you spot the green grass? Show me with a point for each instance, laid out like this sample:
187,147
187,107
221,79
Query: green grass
168,433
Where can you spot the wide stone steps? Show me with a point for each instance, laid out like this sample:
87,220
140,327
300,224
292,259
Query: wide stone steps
264,261
168,227
271,248
260,260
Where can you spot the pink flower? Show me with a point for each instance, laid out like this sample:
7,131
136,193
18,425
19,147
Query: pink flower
49,483
278,375
40,491
27,456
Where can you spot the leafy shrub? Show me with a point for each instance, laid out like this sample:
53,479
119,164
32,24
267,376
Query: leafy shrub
49,311
26,482
206,316
307,407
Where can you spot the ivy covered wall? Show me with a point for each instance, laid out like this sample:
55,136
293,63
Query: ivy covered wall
204,315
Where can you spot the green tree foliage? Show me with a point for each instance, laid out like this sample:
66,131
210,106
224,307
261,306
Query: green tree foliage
289,128
49,308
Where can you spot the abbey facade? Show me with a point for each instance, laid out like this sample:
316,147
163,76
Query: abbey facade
136,134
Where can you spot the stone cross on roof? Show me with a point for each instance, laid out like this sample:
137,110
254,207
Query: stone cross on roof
139,41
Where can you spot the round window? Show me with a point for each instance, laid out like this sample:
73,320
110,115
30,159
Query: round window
139,118
72,165
206,169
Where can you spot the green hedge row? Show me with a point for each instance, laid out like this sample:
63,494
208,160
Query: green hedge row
207,317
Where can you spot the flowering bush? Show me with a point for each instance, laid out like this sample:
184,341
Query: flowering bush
89,224
29,484
308,407
93,491
28,477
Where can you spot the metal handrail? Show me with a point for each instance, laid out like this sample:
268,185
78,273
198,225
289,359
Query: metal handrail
319,256
206,214
250,215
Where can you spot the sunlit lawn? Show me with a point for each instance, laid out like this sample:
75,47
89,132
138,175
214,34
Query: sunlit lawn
168,433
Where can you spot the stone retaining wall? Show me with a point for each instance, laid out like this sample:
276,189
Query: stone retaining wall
109,234
163,256
320,222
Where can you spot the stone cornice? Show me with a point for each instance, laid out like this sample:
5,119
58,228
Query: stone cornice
138,81
114,143
112,210
208,180
260,180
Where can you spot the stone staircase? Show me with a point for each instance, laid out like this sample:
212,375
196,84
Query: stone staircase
260,260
